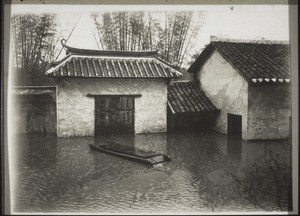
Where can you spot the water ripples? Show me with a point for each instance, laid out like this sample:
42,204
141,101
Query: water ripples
64,175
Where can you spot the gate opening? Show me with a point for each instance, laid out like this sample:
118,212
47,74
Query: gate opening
234,125
114,114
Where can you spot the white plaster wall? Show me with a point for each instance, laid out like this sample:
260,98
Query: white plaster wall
227,90
269,111
76,111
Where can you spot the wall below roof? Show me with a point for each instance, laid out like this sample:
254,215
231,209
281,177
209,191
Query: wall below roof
227,90
199,122
269,111
76,111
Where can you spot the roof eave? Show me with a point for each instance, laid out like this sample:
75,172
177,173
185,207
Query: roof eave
62,62
203,112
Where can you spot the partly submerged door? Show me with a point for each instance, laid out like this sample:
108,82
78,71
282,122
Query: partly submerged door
234,125
114,114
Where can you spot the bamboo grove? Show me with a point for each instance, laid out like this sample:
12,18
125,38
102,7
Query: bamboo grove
172,33
34,46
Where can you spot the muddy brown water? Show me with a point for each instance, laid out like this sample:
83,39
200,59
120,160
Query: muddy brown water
209,172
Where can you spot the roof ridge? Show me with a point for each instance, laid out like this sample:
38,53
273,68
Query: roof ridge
54,63
266,42
74,50
258,40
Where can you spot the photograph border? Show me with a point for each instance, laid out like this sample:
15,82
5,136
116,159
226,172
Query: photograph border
5,46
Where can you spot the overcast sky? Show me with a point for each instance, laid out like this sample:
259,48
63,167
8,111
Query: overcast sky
248,22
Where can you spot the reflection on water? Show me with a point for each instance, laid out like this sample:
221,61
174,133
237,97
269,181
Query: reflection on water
234,147
208,172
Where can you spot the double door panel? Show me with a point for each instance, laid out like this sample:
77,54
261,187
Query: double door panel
114,115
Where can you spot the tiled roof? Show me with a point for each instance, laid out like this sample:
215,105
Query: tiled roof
255,62
112,64
187,97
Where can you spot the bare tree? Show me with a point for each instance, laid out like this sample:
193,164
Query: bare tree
265,183
34,46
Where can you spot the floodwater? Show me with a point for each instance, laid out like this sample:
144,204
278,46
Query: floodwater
209,172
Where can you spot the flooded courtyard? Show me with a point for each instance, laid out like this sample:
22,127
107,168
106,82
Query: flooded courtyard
209,172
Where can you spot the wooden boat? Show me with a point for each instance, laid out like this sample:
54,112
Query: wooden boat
131,153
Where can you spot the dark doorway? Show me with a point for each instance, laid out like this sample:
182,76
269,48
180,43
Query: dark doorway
114,115
34,113
234,125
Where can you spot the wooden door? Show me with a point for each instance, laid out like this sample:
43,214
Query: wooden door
114,115
234,125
